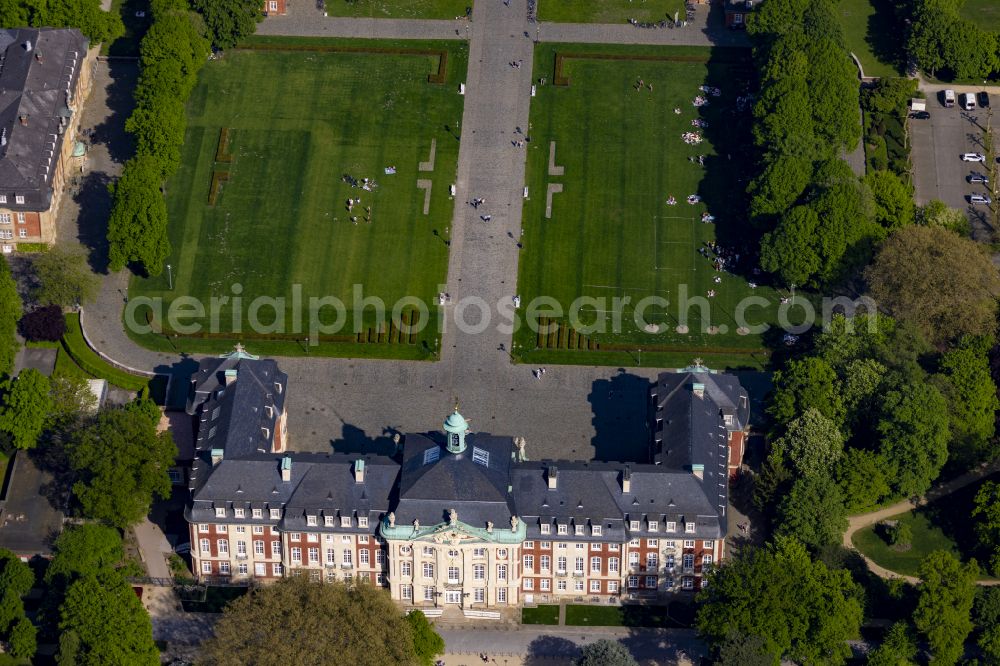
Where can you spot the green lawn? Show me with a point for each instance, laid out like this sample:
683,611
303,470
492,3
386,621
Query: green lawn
545,614
612,234
943,524
926,538
629,615
872,35
298,122
986,13
424,9
608,11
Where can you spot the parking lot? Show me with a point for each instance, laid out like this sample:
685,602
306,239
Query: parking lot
937,144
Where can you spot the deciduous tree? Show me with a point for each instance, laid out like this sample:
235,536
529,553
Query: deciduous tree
913,429
809,383
813,512
64,277
861,477
947,286
229,21
46,323
935,213
803,610
121,462
10,313
137,228
972,400
426,642
606,652
26,406
322,623
897,649
812,444
947,590
894,205
109,621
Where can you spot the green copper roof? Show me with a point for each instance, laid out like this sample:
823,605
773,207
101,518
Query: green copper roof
240,352
456,423
445,531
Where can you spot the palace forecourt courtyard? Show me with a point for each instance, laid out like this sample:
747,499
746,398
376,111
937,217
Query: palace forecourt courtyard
317,167
281,135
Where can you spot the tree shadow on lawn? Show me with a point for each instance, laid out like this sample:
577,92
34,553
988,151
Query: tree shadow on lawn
886,34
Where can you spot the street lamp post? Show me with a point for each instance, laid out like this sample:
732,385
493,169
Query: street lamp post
170,278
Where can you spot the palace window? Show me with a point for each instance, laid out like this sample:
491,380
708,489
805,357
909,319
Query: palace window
613,564
544,585
501,572
428,570
595,565
561,529
363,557
595,530
311,521
651,582
529,583
239,513
404,569
406,591
545,562
612,587
479,594
224,568
223,547
595,586
256,513
478,571
314,556
671,526
545,528
297,555
529,562
452,574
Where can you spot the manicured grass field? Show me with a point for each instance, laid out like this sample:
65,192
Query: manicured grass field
608,11
612,234
986,13
298,122
926,538
545,614
424,9
869,25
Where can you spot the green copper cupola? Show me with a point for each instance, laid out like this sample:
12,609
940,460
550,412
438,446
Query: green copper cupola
456,427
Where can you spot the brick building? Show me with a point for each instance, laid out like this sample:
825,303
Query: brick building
460,518
275,7
45,75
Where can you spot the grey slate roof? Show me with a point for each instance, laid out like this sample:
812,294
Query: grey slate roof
35,88
479,493
688,427
233,417
589,493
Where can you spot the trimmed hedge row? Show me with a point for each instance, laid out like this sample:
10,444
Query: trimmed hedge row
441,76
222,153
91,363
218,178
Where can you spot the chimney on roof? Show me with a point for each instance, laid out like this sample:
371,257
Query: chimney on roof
217,456
698,389
627,479
230,376
698,470
551,475
359,471
286,469
24,119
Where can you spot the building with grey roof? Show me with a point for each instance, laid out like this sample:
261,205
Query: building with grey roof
45,76
459,518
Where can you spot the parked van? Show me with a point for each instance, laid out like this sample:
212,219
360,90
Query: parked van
949,98
968,101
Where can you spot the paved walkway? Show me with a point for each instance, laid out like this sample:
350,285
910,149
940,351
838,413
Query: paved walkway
309,22
153,548
863,520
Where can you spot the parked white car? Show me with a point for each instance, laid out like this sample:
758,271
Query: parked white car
980,199
973,157
968,101
979,178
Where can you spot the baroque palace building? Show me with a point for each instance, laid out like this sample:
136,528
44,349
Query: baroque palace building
457,517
